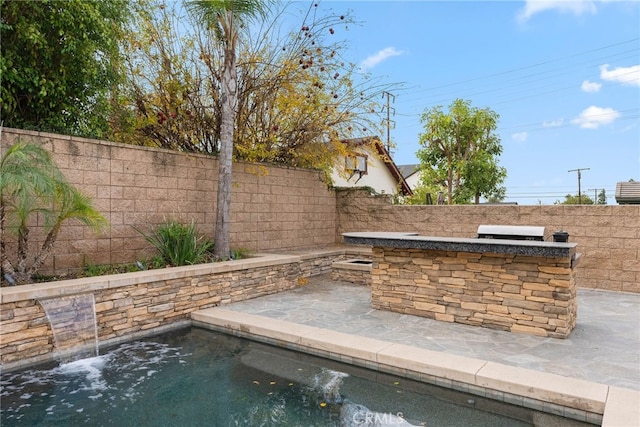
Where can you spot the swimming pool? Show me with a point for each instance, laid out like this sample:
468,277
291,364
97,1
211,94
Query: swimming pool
197,377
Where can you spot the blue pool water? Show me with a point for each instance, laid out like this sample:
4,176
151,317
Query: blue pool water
197,377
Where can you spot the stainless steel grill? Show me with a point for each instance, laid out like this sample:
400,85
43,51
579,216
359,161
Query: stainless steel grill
511,232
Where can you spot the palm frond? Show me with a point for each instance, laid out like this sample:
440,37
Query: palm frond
211,12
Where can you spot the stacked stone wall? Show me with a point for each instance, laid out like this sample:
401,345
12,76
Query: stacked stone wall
357,277
534,295
135,304
608,236
356,271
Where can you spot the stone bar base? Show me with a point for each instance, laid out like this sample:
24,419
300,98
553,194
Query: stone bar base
512,285
356,271
511,292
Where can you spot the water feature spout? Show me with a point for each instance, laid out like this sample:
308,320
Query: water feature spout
73,322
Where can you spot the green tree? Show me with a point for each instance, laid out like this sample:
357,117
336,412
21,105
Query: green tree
483,177
423,193
60,60
31,184
577,199
460,152
224,18
602,197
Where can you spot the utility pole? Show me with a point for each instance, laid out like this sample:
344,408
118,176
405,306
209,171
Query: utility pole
389,96
579,176
595,195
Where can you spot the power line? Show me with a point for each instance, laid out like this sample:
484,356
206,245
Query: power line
518,81
530,127
513,70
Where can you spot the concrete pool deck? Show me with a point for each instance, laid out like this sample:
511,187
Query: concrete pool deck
595,371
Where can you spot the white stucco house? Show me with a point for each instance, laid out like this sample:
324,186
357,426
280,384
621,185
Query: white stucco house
370,166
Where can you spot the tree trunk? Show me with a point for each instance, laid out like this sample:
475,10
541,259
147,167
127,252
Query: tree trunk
46,249
229,99
3,248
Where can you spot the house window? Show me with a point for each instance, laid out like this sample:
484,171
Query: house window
356,163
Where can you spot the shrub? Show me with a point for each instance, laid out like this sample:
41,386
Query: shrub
179,244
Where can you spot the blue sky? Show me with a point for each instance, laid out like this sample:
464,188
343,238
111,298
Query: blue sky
563,76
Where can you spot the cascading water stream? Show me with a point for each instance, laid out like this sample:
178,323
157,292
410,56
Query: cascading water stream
73,322
353,414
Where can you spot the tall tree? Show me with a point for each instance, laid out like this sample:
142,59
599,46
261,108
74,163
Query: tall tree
60,60
460,152
168,100
602,197
483,177
298,98
224,19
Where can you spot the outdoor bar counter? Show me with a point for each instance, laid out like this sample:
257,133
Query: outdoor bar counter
512,285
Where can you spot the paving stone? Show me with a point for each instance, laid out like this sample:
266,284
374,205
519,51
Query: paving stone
603,347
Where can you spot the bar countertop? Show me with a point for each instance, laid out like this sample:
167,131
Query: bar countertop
415,241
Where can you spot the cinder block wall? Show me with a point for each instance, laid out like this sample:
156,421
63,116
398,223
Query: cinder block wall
272,207
278,208
608,236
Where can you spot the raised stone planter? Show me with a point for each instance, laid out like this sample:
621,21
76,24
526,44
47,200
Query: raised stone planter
131,305
517,286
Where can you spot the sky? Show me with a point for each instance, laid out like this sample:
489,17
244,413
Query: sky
564,76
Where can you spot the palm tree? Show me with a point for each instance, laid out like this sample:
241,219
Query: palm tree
30,183
223,17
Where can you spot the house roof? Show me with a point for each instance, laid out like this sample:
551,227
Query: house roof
408,170
384,155
628,193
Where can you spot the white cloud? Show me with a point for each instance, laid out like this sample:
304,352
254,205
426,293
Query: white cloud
576,7
594,117
590,87
624,75
380,56
520,136
553,123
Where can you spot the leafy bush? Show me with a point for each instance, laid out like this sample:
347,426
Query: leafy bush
179,244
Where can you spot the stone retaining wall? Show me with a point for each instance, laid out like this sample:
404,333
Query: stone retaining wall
535,295
136,304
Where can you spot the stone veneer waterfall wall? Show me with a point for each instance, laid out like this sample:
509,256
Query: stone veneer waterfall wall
131,305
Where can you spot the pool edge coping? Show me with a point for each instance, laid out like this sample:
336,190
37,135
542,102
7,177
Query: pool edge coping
574,398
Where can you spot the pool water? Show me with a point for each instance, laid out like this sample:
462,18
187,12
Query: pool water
197,377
